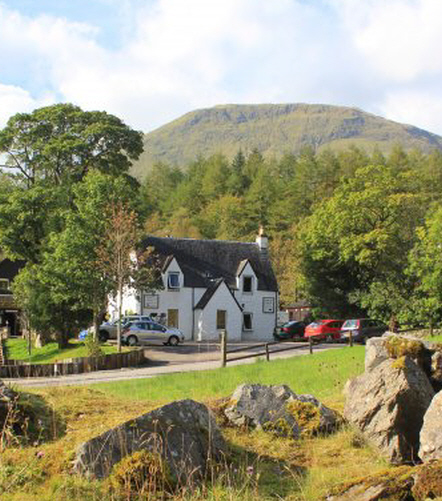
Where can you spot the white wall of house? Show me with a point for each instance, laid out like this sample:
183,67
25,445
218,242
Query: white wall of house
205,319
131,304
257,303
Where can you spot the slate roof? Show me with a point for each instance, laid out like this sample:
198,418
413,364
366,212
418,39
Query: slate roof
203,261
207,296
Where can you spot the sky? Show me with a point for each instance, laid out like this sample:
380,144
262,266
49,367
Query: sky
151,61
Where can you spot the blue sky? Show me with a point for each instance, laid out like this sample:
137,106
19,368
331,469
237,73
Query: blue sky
150,61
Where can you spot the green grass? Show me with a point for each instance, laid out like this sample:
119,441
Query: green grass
18,350
322,374
435,339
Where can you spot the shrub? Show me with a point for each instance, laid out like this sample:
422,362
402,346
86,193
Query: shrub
93,347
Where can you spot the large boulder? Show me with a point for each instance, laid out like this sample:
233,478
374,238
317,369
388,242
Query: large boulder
431,432
388,404
184,434
279,410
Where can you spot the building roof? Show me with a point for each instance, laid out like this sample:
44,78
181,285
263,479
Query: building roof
203,261
9,269
207,296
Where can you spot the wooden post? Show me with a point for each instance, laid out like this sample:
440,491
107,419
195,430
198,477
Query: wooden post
267,353
310,345
223,336
350,338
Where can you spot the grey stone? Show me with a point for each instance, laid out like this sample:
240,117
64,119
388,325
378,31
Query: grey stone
431,432
388,404
184,433
375,352
268,408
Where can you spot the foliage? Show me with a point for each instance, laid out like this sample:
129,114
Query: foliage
93,346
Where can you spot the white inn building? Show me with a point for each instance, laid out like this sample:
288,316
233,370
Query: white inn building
211,285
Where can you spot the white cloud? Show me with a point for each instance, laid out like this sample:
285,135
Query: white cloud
16,100
176,56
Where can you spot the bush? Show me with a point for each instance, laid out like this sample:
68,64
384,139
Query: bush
93,346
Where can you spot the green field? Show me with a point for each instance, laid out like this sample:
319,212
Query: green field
322,374
18,350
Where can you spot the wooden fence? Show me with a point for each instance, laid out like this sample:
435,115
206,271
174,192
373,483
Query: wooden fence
266,347
19,368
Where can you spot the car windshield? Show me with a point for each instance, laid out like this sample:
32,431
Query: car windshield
350,324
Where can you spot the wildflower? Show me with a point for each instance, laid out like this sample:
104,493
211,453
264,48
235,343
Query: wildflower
40,454
249,470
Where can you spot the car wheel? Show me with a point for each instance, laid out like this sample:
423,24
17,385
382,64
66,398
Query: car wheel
103,336
132,340
173,341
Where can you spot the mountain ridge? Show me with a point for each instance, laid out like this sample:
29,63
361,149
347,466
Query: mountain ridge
275,129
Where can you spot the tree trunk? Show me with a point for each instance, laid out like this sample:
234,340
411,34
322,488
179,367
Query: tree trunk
120,307
431,326
97,324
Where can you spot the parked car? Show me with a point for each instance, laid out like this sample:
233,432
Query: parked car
290,330
108,330
362,329
135,332
321,330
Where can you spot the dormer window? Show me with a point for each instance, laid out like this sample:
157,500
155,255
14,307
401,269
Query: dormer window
247,284
4,284
173,280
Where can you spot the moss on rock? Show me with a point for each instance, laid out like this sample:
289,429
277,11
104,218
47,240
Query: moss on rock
398,347
306,414
428,481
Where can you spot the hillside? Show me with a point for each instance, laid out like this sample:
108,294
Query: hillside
275,129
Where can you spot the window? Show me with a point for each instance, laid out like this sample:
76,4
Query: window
247,285
247,324
172,318
4,284
173,280
221,319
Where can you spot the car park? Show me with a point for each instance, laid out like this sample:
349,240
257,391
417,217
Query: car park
151,332
324,330
362,329
290,330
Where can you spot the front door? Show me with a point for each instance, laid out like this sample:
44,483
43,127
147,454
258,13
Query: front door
172,318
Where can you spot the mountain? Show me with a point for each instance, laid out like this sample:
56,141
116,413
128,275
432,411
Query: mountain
275,129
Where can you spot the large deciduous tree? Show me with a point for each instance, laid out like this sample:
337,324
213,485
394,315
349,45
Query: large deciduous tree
355,245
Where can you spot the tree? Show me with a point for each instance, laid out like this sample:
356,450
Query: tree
355,245
116,254
61,143
426,266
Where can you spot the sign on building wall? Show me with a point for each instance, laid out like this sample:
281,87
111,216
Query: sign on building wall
268,305
151,301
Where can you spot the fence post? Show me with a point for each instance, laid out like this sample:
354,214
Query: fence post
223,335
310,345
350,338
267,353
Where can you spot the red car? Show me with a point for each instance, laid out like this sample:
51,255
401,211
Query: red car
324,329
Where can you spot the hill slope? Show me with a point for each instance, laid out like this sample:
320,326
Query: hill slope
275,129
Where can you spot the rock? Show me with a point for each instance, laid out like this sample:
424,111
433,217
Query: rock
375,352
431,432
278,409
8,398
436,370
183,433
388,404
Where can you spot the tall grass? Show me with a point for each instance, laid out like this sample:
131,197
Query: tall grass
321,374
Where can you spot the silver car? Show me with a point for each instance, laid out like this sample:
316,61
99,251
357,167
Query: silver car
109,330
150,332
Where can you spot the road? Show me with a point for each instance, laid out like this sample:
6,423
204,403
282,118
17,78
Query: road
167,360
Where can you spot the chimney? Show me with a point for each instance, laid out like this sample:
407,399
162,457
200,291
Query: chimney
262,241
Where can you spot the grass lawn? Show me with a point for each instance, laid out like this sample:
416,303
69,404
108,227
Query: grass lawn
18,350
321,374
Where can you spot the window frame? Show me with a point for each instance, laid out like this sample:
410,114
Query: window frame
221,325
171,274
248,277
250,315
6,281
